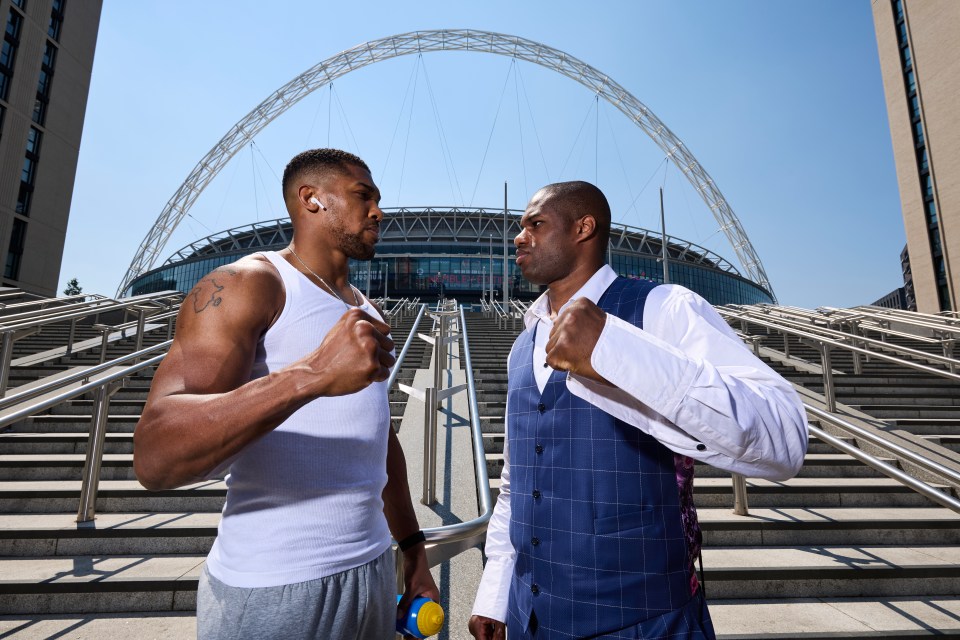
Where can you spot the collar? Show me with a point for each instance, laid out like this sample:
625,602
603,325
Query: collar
592,289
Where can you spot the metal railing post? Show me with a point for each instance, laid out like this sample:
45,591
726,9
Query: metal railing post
73,333
141,322
6,357
429,447
828,390
91,468
740,505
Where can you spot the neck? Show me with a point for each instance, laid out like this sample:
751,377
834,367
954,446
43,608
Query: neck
325,264
327,274
560,291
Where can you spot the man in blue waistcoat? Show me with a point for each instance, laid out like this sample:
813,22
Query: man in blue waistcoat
615,387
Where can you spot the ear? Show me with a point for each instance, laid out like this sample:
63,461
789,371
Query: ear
304,194
586,228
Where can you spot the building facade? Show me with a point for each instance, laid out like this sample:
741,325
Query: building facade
919,51
458,252
45,64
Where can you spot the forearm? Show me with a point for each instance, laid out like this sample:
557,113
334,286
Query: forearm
397,504
182,437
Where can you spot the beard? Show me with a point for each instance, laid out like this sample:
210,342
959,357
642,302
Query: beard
353,245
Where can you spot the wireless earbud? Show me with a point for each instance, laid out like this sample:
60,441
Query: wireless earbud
318,203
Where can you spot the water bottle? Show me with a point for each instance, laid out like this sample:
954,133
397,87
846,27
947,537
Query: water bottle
424,618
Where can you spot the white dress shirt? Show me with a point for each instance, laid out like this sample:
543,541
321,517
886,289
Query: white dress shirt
687,380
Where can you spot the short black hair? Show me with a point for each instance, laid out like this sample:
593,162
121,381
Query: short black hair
319,161
578,198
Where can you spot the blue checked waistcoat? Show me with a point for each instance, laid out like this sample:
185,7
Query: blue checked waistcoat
595,505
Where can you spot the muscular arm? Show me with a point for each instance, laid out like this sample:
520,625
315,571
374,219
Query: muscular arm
202,409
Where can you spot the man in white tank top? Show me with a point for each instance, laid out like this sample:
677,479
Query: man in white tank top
277,373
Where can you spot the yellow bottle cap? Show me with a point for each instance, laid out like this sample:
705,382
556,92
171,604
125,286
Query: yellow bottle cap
430,618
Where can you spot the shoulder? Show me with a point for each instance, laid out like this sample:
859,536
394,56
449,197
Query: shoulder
672,308
248,290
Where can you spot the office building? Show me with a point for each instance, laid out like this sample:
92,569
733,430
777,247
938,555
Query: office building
919,52
45,65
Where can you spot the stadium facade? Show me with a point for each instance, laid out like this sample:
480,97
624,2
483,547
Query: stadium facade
459,252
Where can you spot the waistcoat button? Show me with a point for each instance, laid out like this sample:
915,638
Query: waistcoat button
541,407
535,588
539,448
535,541
536,494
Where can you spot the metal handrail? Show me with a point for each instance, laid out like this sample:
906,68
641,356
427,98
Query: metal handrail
911,456
85,374
77,311
45,301
843,336
872,354
885,468
406,347
471,528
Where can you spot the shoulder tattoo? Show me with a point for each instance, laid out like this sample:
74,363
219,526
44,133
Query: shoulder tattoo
207,292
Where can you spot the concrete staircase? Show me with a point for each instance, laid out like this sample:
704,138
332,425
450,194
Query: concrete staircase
134,571
839,551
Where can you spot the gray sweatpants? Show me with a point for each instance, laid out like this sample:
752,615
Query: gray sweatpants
359,604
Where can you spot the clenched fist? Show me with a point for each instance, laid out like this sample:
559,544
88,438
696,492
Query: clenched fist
574,335
354,354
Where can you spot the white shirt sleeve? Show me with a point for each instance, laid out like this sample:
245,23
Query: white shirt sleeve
494,590
688,380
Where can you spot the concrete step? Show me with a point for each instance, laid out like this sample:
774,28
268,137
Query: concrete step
114,496
81,626
831,571
49,535
73,424
838,526
115,466
90,584
892,618
61,443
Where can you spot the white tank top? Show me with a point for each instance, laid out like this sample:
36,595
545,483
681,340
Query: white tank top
304,501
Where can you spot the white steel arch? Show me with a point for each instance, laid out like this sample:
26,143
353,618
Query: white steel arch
368,53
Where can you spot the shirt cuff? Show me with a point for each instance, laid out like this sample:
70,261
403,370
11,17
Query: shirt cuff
494,592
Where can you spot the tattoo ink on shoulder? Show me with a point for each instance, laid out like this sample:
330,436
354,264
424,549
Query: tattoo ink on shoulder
203,297
226,269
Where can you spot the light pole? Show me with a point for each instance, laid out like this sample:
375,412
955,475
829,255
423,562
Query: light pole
490,253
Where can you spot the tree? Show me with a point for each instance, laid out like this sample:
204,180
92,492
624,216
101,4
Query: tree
73,288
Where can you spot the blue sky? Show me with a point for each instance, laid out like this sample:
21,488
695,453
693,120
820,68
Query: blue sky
781,102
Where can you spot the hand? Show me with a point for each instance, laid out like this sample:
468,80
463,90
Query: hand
573,338
417,580
354,354
484,628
